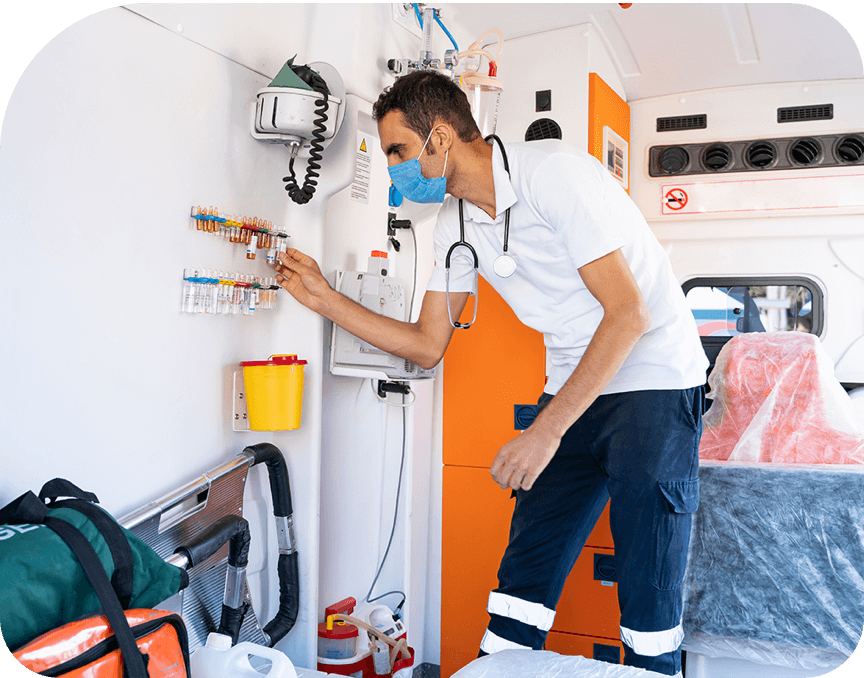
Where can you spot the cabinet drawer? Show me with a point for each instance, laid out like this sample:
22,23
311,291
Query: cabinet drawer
475,525
601,535
601,649
589,601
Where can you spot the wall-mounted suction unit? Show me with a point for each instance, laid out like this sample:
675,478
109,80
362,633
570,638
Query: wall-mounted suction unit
302,108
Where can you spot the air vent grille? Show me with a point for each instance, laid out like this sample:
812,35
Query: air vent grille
673,160
682,122
761,154
717,157
804,113
850,149
757,155
544,128
805,151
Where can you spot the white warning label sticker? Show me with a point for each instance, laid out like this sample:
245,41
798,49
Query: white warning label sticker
363,168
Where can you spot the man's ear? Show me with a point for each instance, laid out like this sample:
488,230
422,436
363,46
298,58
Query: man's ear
442,137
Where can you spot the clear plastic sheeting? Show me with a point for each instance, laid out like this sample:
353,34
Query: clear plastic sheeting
776,400
543,664
776,564
762,652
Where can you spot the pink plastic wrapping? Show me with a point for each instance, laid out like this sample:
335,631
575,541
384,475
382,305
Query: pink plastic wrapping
776,400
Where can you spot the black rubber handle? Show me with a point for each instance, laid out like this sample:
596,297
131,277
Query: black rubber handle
280,490
289,599
289,574
213,538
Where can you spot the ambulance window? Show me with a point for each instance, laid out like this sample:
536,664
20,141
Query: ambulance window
724,307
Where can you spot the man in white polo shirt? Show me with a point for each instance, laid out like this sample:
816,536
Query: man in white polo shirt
562,243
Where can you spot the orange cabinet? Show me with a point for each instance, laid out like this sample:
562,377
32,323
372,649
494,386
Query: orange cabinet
495,365
475,527
589,603
601,535
601,649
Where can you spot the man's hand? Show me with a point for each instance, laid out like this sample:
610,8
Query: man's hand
522,460
300,276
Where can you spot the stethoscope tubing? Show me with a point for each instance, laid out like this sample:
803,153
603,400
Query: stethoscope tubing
464,243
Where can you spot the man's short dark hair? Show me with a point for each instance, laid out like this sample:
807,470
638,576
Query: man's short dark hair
424,97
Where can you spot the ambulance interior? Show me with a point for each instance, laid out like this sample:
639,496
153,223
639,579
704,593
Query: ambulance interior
738,131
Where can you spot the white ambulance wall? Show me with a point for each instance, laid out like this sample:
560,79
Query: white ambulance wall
362,437
117,127
559,61
825,243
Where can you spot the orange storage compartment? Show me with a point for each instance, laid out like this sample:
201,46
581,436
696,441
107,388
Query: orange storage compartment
601,535
496,364
475,531
601,649
589,606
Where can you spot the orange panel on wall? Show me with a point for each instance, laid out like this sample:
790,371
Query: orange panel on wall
584,646
497,363
475,526
589,606
601,535
605,109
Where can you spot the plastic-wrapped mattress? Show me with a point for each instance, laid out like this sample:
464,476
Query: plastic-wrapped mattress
776,565
537,664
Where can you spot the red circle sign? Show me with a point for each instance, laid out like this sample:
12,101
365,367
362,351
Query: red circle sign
676,199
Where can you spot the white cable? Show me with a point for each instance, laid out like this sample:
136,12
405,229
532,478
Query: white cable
384,400
395,511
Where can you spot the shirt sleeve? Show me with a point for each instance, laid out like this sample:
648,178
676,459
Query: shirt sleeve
462,278
574,195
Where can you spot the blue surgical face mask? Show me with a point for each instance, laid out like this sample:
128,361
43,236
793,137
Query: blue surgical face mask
410,182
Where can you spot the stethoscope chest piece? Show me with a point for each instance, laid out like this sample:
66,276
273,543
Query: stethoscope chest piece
504,266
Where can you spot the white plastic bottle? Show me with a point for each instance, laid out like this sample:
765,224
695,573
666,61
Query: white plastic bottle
217,659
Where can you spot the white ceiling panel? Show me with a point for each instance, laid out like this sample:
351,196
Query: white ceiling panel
683,47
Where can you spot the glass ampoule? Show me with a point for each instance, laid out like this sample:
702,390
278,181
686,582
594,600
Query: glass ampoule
188,302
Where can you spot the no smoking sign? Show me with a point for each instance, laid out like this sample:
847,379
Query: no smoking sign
675,199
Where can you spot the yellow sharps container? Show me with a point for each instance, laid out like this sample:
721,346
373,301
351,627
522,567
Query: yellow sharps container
274,392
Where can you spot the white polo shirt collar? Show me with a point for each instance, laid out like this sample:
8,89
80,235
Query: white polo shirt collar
505,196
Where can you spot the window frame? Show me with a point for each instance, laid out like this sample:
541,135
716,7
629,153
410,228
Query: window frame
813,286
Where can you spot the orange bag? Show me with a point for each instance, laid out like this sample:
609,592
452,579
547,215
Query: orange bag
88,648
116,644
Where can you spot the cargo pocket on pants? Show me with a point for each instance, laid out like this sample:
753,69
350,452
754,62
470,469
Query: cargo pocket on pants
672,520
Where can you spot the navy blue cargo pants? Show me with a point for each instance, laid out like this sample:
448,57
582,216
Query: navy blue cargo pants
641,450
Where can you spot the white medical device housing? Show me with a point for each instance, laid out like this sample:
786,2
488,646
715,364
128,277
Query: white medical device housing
353,357
287,115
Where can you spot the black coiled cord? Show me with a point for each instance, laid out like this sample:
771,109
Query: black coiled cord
302,195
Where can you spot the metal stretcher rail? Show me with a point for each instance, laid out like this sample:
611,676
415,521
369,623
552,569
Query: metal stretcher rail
182,515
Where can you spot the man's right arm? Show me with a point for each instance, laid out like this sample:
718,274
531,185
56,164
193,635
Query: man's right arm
422,342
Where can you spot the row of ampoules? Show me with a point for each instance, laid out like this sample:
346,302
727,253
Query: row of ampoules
253,232
207,291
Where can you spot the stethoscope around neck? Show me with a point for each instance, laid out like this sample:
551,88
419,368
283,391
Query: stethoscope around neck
504,265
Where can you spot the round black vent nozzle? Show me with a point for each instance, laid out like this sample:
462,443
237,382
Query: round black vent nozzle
805,151
674,159
760,154
850,149
544,128
717,157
